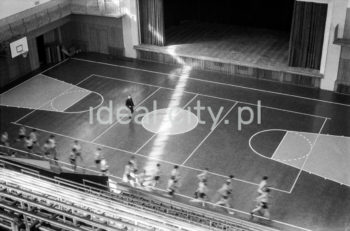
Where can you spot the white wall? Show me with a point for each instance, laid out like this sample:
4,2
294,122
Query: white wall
130,27
331,52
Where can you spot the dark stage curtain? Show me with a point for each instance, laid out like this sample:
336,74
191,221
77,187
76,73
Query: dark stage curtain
152,22
306,40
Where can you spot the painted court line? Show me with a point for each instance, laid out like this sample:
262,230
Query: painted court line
211,131
162,190
210,96
279,145
32,77
117,121
214,82
307,157
143,156
140,148
53,98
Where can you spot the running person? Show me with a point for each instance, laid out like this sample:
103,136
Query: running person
128,169
34,136
133,162
175,172
5,141
129,103
200,194
172,187
29,144
46,149
73,160
262,204
262,185
77,149
98,157
21,134
104,167
52,143
224,202
153,181
203,176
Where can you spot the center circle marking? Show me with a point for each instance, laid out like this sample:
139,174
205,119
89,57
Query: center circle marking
170,121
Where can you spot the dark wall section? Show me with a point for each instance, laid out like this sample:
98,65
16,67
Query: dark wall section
89,33
95,34
271,14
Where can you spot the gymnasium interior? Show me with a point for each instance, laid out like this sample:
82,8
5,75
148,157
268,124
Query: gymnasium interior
239,121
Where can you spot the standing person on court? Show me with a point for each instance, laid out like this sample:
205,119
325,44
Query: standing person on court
129,103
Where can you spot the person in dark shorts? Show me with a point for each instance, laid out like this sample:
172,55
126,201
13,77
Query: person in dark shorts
46,149
4,141
73,160
262,204
173,185
129,103
77,149
34,136
21,134
200,195
29,144
98,157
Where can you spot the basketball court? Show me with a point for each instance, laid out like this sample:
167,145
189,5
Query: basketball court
242,130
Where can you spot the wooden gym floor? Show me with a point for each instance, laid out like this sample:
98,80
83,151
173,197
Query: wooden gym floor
298,141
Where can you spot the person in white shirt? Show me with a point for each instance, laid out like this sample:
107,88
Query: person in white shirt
262,185
175,172
128,169
29,144
34,136
73,161
200,194
5,141
224,202
46,149
52,143
133,162
203,175
98,157
21,134
262,204
172,187
152,181
77,149
104,167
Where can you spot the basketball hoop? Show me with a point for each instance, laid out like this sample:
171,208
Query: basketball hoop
25,54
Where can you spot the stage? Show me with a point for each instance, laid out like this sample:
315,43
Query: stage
247,52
